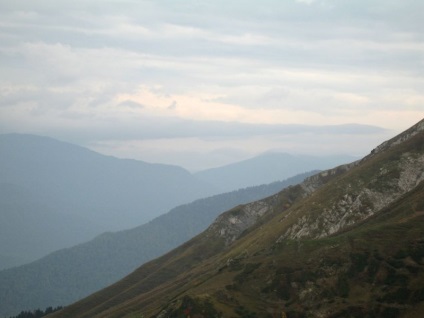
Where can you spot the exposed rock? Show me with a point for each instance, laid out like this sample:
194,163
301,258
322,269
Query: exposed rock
357,205
407,134
311,184
230,225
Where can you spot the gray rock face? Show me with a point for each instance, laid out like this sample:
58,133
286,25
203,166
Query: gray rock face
407,134
364,198
231,225
348,209
355,202
314,182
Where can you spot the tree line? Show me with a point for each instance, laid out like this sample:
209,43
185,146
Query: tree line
37,313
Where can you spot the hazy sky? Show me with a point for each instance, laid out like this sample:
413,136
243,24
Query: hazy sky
200,83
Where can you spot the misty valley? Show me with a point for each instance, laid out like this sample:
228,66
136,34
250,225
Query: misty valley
211,159
92,219
300,236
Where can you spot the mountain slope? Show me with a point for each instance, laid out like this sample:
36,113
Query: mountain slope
79,181
111,256
346,242
267,168
55,195
60,188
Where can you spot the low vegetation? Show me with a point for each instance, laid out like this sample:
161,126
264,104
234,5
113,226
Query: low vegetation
38,313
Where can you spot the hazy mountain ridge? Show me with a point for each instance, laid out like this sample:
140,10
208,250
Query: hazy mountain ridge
246,265
111,256
267,168
81,181
55,194
69,194
353,199
30,227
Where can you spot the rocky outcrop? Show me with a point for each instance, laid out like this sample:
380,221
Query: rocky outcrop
314,182
361,200
229,226
407,134
232,224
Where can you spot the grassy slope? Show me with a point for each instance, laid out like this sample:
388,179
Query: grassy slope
368,270
375,269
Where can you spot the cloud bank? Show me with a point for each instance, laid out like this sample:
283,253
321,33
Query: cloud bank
156,80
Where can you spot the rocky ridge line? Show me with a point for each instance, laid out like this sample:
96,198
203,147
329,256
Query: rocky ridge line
352,207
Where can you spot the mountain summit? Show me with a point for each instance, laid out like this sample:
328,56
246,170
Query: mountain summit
346,242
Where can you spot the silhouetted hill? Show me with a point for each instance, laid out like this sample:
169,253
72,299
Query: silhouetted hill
70,274
347,242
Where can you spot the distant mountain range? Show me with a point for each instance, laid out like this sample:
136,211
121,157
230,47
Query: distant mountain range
267,168
55,194
31,227
70,274
346,242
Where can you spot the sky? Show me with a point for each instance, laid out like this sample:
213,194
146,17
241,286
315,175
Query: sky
201,83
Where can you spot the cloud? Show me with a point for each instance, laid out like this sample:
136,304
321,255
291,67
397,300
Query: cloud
198,153
162,70
131,104
173,105
306,1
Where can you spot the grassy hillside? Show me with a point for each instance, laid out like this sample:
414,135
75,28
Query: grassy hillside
346,242
375,270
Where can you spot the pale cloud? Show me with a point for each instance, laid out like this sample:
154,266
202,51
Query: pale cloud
306,1
205,107
131,104
211,152
134,72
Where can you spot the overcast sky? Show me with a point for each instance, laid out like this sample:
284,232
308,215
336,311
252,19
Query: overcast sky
201,83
